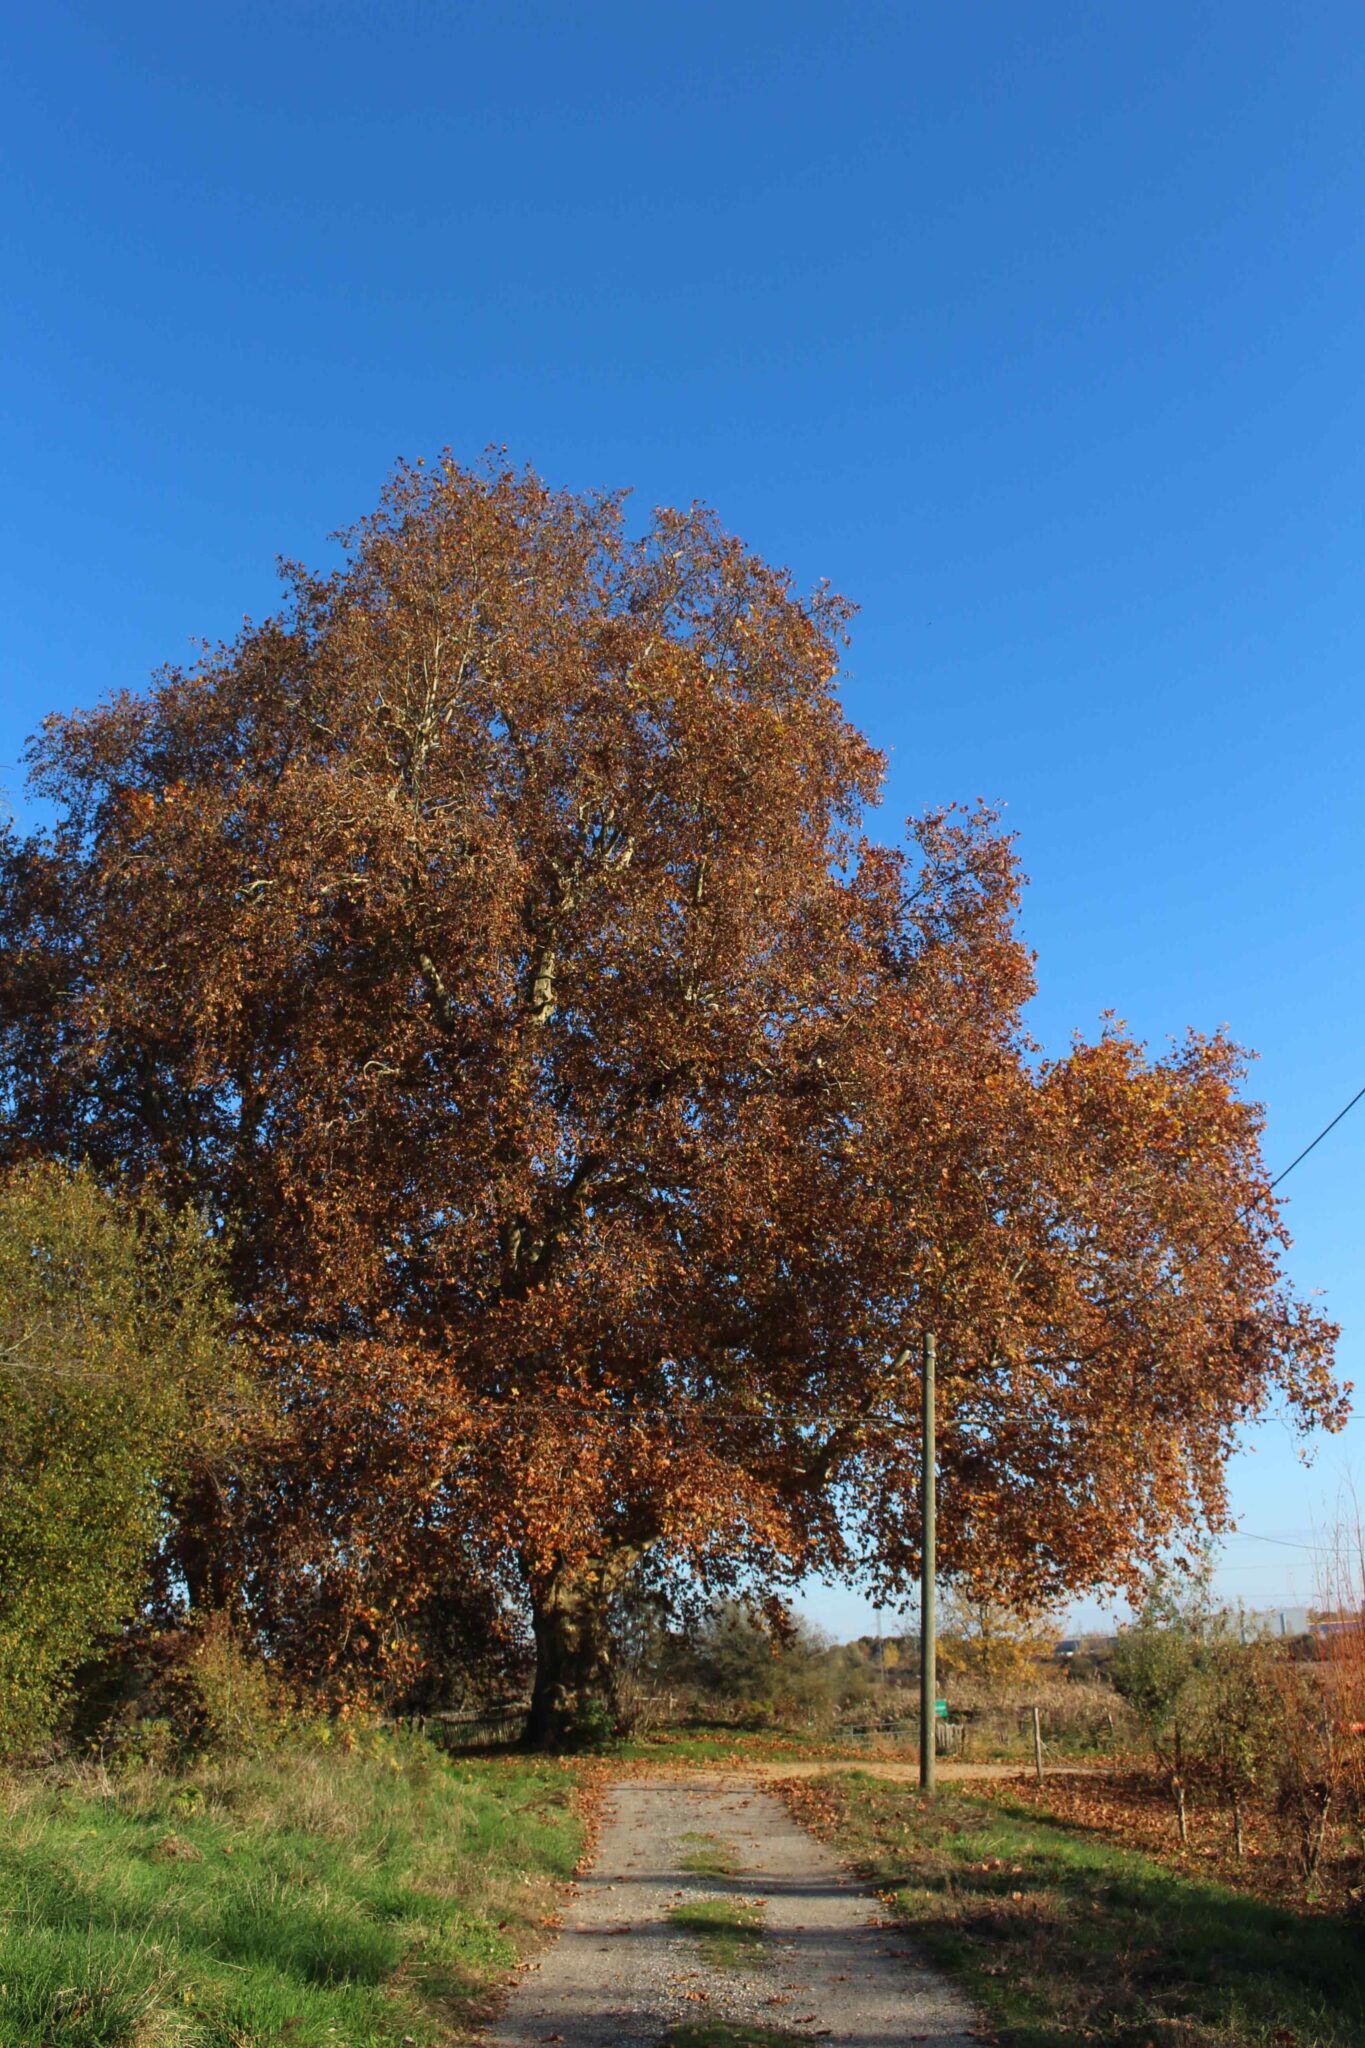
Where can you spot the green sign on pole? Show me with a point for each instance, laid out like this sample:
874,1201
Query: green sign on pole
941,1709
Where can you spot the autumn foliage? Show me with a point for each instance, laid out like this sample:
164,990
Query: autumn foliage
115,1380
487,942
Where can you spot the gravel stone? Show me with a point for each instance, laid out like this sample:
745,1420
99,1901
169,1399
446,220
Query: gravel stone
621,1974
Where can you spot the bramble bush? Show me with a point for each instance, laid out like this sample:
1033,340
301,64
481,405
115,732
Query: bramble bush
200,1689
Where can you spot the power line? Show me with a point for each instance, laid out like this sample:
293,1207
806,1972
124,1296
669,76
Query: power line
1167,1279
1300,1157
1221,1568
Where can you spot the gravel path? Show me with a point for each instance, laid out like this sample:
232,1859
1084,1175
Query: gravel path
890,1768
621,1975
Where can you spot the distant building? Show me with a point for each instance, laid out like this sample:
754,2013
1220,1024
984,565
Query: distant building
1096,1646
1275,1621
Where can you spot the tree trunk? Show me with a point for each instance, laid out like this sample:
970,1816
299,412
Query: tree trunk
573,1701
200,1544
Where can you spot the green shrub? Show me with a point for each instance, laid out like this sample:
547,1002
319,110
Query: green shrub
594,1725
1156,1666
112,1361
764,1676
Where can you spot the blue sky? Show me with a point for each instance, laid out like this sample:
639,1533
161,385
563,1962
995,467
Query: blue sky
1038,330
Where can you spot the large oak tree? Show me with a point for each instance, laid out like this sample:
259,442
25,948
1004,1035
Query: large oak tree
487,942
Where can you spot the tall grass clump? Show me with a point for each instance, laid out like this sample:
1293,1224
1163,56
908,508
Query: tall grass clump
343,1886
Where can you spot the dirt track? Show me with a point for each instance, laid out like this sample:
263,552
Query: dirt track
621,1973
874,1767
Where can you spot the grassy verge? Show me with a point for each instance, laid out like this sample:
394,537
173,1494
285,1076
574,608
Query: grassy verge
1129,1806
1060,1936
728,1932
307,1898
721,1742
701,1742
708,1856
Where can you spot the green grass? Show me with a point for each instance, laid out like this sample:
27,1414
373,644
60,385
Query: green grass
719,1741
728,1932
1060,1937
308,1898
708,1856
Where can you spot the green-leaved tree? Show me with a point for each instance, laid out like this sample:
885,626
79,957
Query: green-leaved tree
113,1370
1157,1667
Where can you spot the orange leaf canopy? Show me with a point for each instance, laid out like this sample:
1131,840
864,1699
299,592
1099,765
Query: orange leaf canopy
487,944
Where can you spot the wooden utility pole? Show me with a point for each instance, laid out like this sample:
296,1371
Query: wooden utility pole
928,1639
1038,1744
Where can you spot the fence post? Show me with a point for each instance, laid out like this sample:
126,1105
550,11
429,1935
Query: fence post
1038,1744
